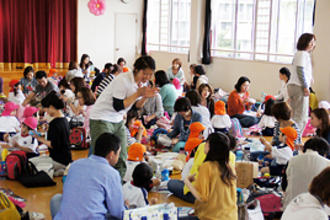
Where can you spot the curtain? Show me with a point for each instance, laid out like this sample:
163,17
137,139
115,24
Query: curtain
144,29
38,32
206,59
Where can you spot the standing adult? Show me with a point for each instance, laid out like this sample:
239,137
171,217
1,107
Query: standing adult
114,102
301,79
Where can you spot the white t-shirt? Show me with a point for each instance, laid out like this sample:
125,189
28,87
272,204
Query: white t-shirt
282,155
283,93
28,141
9,124
134,195
18,99
130,166
267,121
121,87
303,59
221,121
305,206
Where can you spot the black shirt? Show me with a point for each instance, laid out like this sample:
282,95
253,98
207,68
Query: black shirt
58,134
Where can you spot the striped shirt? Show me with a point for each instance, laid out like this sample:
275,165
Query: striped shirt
104,83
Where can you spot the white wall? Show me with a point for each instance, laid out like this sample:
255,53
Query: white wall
263,75
96,33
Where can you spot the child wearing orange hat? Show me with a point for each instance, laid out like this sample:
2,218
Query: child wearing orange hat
135,155
282,153
9,124
15,93
24,140
220,120
195,138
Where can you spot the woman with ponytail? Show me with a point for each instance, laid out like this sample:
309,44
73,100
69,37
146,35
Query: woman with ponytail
215,186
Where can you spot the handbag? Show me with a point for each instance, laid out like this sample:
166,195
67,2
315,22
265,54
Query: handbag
31,177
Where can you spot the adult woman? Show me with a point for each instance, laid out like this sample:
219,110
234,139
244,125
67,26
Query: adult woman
312,204
303,167
206,92
28,82
85,66
152,109
320,121
284,75
167,91
215,186
301,79
282,113
109,109
182,121
73,72
239,101
176,71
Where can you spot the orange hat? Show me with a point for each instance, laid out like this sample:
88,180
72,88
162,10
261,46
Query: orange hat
267,97
136,152
125,69
51,72
220,108
291,136
195,129
191,144
135,128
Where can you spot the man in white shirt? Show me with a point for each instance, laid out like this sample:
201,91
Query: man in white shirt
109,109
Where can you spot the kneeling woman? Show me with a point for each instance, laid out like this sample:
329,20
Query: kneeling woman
215,186
182,121
239,101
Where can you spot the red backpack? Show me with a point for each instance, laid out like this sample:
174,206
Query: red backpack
15,163
78,138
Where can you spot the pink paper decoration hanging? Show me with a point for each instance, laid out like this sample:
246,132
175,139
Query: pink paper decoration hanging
96,7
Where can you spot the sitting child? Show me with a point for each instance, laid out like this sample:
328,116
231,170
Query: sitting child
24,140
280,154
135,155
136,191
220,120
15,94
267,122
30,111
8,121
194,140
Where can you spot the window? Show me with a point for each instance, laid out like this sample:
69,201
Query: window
265,30
168,25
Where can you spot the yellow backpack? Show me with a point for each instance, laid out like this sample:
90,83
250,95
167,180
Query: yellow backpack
8,210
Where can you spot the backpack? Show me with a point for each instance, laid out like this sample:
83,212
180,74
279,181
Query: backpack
78,138
15,162
236,128
270,202
8,210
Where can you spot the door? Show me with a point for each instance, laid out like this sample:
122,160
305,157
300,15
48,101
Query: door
126,37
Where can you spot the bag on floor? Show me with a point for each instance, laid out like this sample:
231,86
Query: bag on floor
250,211
31,177
44,163
236,128
78,138
270,203
8,210
154,212
15,163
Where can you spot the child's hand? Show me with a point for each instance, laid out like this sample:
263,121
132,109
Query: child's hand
191,178
156,182
263,140
153,201
126,202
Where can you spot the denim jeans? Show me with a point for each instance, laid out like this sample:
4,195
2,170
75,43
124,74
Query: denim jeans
246,120
176,187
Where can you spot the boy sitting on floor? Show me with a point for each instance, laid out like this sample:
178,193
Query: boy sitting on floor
280,154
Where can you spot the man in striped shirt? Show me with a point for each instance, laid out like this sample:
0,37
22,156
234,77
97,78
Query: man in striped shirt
115,70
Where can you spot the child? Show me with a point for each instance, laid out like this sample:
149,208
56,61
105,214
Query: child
15,94
58,133
195,139
8,121
24,140
86,99
284,75
135,136
267,122
216,182
282,153
136,191
135,155
220,121
178,87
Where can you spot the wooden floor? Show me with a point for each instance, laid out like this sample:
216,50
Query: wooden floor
38,198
